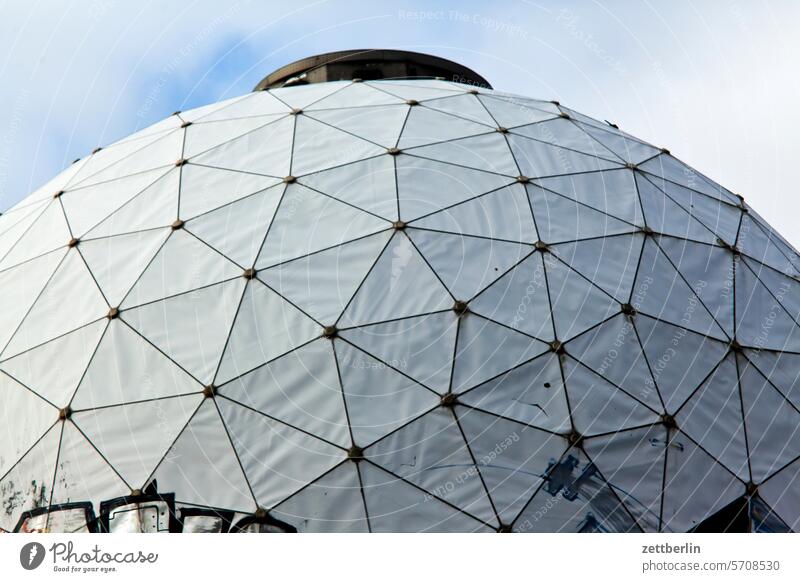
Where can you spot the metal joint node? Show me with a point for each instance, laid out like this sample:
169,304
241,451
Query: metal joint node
449,400
460,307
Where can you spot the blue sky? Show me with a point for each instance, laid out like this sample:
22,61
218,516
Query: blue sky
715,82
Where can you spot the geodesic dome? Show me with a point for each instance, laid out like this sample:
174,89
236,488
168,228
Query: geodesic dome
406,305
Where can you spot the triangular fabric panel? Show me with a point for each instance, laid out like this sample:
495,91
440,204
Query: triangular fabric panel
597,406
201,137
29,482
512,459
190,329
783,495
156,206
723,219
538,159
488,152
379,125
690,471
132,436
418,177
513,113
421,347
612,192
666,168
412,289
609,263
111,156
14,223
300,389
307,221
203,188
780,242
252,105
318,146
679,359
378,398
72,284
577,303
237,230
486,349
661,292
762,321
466,106
467,265
19,289
126,368
307,94
559,218
213,477
266,327
52,186
754,242
504,214
633,464
763,519
566,134
265,151
360,94
519,299
772,423
431,452
425,126
54,369
625,147
578,500
664,215
388,497
81,473
414,91
533,394
786,289
332,503
709,272
717,404
612,350
39,417
49,232
161,153
148,133
339,270
368,185
206,111
184,263
117,262
782,369
277,460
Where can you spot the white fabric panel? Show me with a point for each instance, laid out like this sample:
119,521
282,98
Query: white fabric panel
379,399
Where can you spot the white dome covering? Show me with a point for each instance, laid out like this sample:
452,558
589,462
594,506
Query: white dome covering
398,306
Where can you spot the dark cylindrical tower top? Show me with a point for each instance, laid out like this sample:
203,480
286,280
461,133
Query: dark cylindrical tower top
369,65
